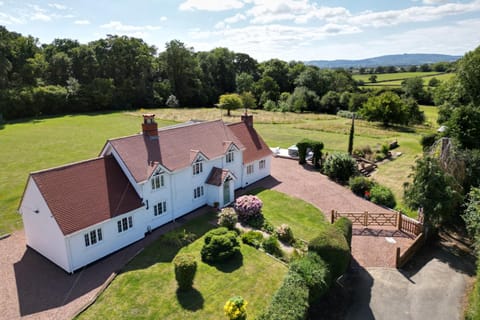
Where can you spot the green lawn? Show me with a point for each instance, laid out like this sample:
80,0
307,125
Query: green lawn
147,286
394,80
32,145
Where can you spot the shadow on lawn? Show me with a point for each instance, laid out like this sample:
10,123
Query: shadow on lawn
230,265
190,299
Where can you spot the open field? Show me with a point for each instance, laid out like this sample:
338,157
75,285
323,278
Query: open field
32,145
395,79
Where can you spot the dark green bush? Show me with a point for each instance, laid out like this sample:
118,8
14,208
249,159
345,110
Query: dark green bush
333,248
267,226
252,238
185,268
271,245
220,244
340,167
302,150
290,302
428,140
382,196
317,147
285,234
179,238
315,273
345,226
360,184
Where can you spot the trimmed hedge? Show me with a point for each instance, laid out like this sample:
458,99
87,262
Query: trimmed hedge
333,248
220,244
314,271
185,268
360,184
290,302
383,196
345,226
252,238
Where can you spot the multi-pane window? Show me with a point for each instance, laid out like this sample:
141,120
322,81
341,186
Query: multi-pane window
229,156
250,169
198,192
261,164
158,181
93,237
124,224
197,167
160,208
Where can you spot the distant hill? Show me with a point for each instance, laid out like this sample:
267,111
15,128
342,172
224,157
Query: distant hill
406,59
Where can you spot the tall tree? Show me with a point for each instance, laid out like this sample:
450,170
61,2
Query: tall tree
469,75
230,102
351,135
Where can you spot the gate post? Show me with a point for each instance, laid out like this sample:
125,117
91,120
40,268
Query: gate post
365,218
332,216
397,258
399,221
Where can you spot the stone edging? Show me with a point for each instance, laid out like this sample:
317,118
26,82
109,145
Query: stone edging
5,236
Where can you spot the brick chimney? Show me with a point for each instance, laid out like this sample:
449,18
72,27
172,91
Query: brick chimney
248,119
149,126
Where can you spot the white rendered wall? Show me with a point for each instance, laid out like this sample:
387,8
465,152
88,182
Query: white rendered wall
235,167
258,173
41,229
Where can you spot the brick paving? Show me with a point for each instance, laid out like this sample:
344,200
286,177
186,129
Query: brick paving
34,288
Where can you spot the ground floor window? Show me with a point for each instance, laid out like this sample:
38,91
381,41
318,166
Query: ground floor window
250,169
124,224
160,208
261,164
198,192
93,237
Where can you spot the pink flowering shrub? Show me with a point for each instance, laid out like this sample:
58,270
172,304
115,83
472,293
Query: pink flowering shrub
248,207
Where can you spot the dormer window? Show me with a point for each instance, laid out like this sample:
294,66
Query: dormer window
158,180
197,167
229,156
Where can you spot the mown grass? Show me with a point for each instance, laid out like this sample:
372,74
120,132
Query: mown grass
37,144
395,80
472,312
147,287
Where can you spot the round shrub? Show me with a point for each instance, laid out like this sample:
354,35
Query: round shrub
382,196
285,234
247,207
227,218
332,247
340,167
236,308
360,184
252,238
271,245
345,226
315,273
219,245
185,268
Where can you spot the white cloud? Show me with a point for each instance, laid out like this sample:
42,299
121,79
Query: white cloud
211,5
236,18
81,22
7,19
118,26
163,18
57,6
433,1
1,3
40,16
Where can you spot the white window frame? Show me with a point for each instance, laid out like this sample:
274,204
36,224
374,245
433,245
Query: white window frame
124,224
158,181
261,164
160,208
198,192
250,169
93,237
197,167
230,156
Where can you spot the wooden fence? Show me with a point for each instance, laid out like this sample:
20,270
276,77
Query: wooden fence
401,259
390,219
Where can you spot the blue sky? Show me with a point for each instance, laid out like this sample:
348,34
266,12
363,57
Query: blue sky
285,29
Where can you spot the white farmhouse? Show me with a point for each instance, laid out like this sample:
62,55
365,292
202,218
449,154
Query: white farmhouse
78,213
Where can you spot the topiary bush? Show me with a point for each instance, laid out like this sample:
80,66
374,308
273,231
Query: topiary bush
227,218
314,271
236,308
248,207
185,268
220,244
271,245
340,167
290,302
360,184
345,226
333,248
383,196
252,238
285,234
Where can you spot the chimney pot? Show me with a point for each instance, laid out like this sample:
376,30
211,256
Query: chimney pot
149,126
248,119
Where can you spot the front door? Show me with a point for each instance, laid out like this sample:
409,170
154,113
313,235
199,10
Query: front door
226,192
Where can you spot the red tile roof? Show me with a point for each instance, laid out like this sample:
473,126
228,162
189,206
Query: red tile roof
83,194
255,147
174,147
217,176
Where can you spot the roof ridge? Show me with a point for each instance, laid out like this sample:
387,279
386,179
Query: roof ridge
64,166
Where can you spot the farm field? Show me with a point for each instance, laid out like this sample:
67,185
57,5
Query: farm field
395,79
37,144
